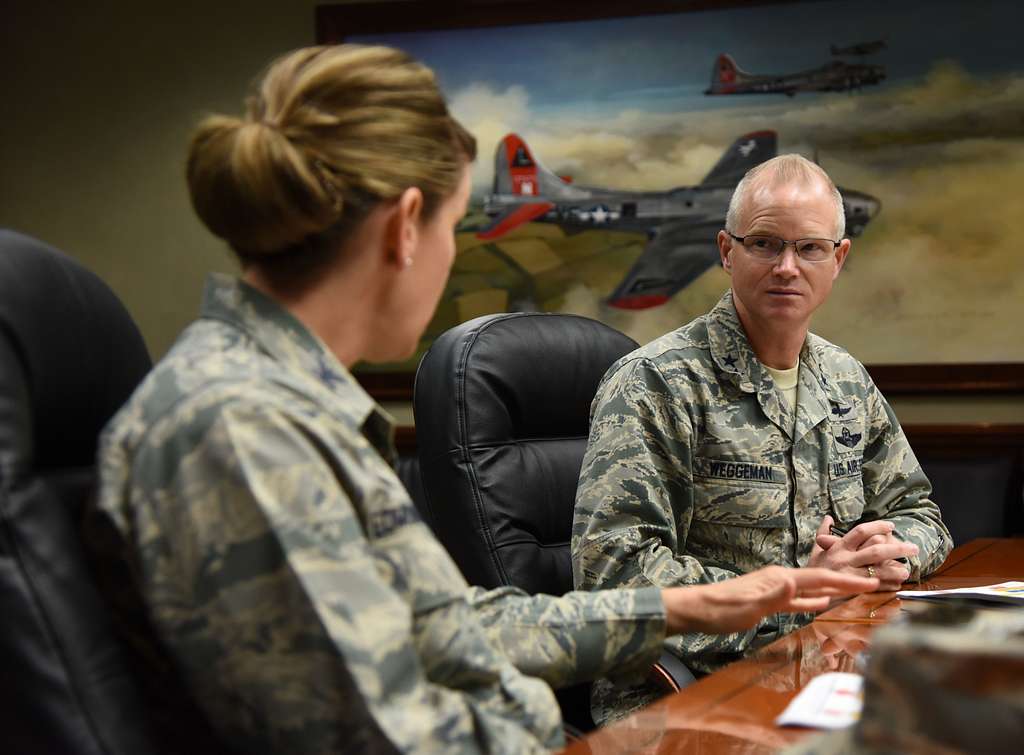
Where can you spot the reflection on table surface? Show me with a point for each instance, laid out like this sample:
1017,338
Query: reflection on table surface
733,710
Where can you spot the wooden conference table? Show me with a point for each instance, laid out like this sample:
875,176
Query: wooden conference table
733,710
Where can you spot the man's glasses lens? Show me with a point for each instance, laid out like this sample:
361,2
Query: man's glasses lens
769,247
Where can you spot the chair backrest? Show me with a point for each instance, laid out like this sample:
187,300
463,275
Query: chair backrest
502,407
70,356
978,490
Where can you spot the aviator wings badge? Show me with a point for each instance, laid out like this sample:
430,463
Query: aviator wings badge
848,439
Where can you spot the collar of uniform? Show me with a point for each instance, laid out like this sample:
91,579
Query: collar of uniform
819,392
730,348
288,341
379,430
732,352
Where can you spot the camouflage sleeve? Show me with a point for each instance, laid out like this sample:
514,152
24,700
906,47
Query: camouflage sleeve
264,588
634,503
895,488
576,637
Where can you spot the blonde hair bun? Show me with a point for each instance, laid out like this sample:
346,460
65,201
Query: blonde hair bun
329,132
254,188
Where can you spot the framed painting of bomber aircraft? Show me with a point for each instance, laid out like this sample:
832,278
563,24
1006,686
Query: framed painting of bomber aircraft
610,141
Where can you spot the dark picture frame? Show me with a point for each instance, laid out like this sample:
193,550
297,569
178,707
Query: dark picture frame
336,23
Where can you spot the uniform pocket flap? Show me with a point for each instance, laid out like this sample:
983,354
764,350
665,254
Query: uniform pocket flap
727,503
846,496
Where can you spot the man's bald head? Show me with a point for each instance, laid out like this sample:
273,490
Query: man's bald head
784,170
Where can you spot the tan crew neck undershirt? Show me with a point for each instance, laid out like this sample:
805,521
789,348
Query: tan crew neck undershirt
786,382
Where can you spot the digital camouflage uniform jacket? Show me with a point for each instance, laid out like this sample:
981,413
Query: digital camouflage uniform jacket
290,579
693,472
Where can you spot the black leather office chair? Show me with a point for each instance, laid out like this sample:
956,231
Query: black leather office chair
977,490
70,355
502,406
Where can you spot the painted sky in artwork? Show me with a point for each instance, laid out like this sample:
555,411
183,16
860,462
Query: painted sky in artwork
619,103
663,63
575,89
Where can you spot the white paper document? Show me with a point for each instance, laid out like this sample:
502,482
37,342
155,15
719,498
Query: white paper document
829,701
1004,592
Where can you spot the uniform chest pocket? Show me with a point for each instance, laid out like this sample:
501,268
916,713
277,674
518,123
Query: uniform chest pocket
846,498
740,494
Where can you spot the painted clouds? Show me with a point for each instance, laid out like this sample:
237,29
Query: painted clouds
935,273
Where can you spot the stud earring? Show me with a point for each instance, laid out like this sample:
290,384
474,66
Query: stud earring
407,262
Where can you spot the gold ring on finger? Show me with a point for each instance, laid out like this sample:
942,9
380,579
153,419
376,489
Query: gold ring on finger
871,571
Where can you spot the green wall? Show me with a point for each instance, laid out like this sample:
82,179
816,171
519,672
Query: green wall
99,100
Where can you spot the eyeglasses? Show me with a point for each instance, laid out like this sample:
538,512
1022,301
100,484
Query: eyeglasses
768,248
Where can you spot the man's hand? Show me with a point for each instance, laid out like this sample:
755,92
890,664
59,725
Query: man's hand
739,603
870,548
840,643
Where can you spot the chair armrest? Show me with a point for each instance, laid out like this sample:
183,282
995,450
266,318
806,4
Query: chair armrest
670,673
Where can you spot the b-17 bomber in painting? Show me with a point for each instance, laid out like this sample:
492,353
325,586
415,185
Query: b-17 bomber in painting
835,76
680,224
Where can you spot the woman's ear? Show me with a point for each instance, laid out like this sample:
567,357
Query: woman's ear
404,228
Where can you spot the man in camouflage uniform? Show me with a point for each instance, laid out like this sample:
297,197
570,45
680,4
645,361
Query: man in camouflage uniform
704,462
